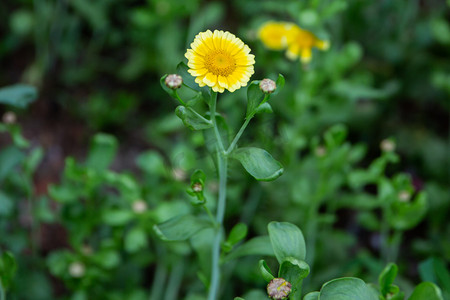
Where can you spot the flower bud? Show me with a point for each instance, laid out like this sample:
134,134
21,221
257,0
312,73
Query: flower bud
179,174
387,145
9,117
267,86
197,187
86,250
279,288
173,81
404,196
77,269
139,206
320,151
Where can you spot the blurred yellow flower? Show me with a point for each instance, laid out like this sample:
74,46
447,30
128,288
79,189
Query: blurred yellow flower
297,41
276,35
220,60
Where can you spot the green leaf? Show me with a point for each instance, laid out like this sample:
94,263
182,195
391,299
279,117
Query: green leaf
19,95
192,119
312,296
335,136
406,215
264,108
10,157
259,245
265,271
102,152
280,84
8,267
107,258
151,162
347,288
435,270
117,217
62,193
238,233
293,270
254,98
6,205
16,135
180,228
386,278
426,291
33,160
135,240
259,163
287,241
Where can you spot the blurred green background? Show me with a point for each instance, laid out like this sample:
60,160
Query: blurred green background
96,66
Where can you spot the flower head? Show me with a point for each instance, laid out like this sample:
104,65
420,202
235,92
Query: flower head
220,60
297,41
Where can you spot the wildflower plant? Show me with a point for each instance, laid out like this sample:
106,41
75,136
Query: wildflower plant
219,61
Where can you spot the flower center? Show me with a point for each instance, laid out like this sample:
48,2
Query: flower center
220,62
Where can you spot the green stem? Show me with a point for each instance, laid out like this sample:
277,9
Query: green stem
173,285
222,166
394,247
384,232
238,135
180,100
213,119
160,278
208,212
312,233
215,266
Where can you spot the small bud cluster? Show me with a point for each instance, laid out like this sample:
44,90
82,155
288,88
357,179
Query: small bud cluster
173,81
139,206
179,174
9,118
279,288
77,269
197,187
320,151
267,86
404,196
387,145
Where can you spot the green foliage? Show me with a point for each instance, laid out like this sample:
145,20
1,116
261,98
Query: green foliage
180,228
359,133
259,163
19,95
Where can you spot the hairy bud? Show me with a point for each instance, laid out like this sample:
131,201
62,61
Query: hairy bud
267,86
173,81
279,288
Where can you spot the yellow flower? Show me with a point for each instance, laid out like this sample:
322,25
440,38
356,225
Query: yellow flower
220,60
285,35
302,43
276,35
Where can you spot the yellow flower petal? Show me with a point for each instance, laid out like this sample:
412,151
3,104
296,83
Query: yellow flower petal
306,55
